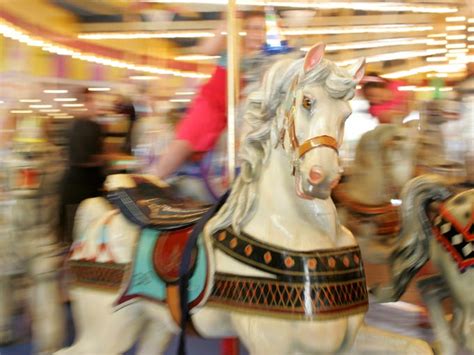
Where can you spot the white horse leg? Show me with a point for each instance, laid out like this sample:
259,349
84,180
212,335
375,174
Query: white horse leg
158,331
48,318
296,337
100,328
154,339
46,308
440,325
6,309
372,340
433,290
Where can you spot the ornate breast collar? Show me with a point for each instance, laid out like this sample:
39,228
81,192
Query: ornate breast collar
325,265
318,284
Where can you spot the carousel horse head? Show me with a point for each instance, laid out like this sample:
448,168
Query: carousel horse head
386,157
314,113
298,113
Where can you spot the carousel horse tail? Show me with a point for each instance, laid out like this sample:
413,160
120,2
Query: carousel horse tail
412,249
184,273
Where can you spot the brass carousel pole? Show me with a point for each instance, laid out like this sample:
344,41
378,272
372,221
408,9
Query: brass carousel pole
230,346
232,83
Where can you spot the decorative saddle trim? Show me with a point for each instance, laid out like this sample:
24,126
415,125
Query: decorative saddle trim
318,266
101,275
456,239
146,210
386,217
293,300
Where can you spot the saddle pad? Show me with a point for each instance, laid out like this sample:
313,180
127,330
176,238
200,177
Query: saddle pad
145,280
151,206
168,253
454,229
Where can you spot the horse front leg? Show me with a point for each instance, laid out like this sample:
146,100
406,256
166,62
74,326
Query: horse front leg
433,290
371,340
6,310
46,308
48,316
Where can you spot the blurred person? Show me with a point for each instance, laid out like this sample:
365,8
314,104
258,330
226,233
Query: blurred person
387,102
84,173
124,106
206,119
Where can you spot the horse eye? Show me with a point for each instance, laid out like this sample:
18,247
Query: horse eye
307,103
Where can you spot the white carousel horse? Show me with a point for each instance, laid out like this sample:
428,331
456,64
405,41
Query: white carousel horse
384,161
437,224
273,251
32,172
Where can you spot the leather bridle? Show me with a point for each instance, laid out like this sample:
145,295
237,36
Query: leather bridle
307,145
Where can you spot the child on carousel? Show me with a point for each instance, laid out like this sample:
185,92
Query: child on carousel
206,119
387,102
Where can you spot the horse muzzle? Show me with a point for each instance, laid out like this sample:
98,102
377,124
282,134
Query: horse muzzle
316,183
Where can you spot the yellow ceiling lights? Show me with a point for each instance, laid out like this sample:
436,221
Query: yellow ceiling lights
363,6
197,57
145,35
376,44
443,68
9,31
356,29
456,19
396,56
401,28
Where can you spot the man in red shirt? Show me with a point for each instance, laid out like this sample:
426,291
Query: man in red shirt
206,119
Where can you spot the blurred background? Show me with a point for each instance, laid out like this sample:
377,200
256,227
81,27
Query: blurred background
134,67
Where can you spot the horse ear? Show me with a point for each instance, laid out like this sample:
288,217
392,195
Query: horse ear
357,69
314,56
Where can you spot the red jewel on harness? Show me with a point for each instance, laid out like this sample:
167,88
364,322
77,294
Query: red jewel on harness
248,250
289,262
312,263
267,257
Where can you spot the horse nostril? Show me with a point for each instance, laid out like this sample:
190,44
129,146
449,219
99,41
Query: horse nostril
315,175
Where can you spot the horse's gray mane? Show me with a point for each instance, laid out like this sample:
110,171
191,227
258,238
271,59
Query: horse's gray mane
261,108
412,250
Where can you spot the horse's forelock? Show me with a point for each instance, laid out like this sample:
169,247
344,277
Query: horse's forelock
337,81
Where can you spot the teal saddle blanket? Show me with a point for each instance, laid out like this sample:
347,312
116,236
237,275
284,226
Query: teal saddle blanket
156,264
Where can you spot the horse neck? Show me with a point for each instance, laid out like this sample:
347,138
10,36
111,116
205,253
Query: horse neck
369,186
286,220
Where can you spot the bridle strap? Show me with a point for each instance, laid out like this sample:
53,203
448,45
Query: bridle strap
291,127
316,142
310,144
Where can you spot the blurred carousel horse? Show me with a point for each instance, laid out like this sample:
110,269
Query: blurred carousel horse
434,155
32,172
384,161
270,263
437,224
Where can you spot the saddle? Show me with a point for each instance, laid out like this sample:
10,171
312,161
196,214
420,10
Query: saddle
161,208
169,254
